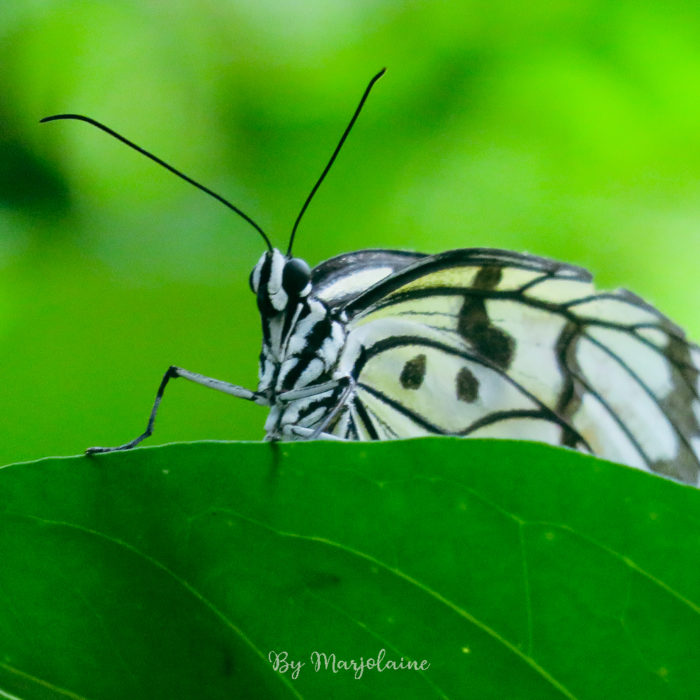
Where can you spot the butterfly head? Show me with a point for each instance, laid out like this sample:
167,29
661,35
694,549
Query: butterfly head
279,282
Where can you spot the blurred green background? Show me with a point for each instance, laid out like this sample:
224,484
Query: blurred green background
568,129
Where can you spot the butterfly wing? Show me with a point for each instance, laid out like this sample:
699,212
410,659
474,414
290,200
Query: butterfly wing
490,343
341,279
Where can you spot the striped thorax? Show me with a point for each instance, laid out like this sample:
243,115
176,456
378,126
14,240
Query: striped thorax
300,346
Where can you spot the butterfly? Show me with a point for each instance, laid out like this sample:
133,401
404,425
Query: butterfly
478,342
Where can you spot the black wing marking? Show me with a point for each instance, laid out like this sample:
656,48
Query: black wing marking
470,395
611,368
478,258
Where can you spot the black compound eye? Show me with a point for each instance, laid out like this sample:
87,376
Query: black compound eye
250,281
295,276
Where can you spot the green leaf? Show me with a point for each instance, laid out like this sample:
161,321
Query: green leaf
516,570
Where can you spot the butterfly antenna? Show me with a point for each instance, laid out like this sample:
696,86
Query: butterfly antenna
333,157
175,171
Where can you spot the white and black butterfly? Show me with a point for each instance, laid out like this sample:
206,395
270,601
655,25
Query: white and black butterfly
383,344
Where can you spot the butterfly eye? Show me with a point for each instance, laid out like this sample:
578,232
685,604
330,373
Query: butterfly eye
251,281
296,275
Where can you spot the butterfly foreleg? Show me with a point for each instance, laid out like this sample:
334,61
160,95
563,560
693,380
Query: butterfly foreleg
173,373
338,390
312,390
341,403
298,431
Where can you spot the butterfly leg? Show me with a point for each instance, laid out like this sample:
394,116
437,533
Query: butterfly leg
310,434
313,390
173,373
342,402
337,391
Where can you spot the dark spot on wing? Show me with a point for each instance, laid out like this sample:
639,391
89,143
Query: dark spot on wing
491,342
571,396
488,277
413,373
677,406
570,438
678,354
683,467
467,386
